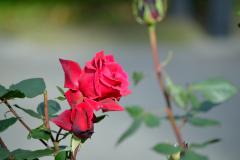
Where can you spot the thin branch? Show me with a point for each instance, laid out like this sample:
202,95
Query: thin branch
4,146
47,120
75,153
153,41
57,136
24,124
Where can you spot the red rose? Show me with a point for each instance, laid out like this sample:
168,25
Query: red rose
101,82
78,120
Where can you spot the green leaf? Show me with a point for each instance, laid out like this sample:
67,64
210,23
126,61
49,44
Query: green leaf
60,148
26,154
63,155
13,94
151,120
40,134
20,152
190,155
239,25
30,87
52,116
2,90
137,76
194,100
194,145
61,98
135,125
215,90
30,112
166,149
134,111
100,118
4,124
61,91
4,153
204,107
201,122
53,107
238,14
178,94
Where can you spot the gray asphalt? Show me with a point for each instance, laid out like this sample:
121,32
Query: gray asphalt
30,56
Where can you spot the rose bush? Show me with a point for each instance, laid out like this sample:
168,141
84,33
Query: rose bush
100,83
78,120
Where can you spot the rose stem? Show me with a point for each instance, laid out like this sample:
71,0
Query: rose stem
4,146
47,119
24,124
153,41
58,134
75,153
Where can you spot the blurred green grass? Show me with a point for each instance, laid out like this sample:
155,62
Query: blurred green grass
48,20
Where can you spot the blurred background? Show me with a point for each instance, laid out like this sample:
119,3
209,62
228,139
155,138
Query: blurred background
202,34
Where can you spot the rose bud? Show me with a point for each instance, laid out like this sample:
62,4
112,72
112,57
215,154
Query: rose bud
78,120
101,82
149,12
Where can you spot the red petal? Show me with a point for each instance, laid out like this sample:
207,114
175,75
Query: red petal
126,92
94,119
87,109
110,105
86,83
92,103
106,105
64,120
114,67
79,118
74,97
72,73
89,65
109,58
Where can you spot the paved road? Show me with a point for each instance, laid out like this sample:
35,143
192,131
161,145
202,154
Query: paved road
36,55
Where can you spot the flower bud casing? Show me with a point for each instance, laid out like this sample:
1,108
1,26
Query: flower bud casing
149,12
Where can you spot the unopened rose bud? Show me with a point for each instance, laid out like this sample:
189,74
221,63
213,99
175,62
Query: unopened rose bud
149,12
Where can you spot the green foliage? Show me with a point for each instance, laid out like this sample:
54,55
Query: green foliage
193,99
53,107
204,107
201,122
30,87
3,90
205,143
166,149
40,134
4,124
238,14
239,25
13,94
61,98
20,154
61,91
4,153
151,120
100,118
190,155
30,112
137,76
215,90
63,155
134,111
133,128
178,94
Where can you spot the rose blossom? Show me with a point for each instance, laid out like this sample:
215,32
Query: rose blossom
78,120
100,83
